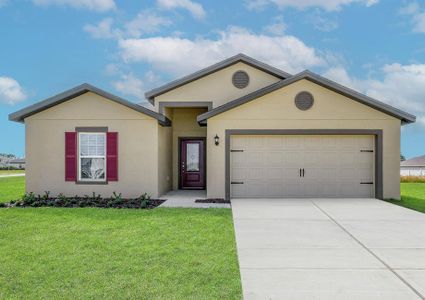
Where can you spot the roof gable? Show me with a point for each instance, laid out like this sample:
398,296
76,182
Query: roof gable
150,95
317,79
20,115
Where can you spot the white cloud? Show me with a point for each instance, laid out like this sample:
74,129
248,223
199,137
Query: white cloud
340,75
194,8
402,86
129,84
103,29
11,91
411,8
181,56
419,22
112,69
322,23
277,27
95,5
416,15
329,5
145,22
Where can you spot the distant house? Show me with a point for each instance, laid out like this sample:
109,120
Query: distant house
413,167
5,159
17,163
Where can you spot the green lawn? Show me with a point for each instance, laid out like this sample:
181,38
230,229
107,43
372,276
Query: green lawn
412,196
7,172
89,253
11,188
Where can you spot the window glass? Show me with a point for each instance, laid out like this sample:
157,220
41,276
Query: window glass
192,157
93,168
92,156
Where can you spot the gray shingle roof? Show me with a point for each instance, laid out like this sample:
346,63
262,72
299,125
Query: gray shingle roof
17,161
418,161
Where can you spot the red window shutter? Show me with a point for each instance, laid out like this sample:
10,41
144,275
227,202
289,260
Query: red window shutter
112,156
70,156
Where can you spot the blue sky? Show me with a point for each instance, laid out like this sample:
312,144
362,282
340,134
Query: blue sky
128,47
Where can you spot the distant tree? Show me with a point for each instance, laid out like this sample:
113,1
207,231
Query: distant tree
402,158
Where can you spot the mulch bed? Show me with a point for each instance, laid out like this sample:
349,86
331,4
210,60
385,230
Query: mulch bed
213,200
86,202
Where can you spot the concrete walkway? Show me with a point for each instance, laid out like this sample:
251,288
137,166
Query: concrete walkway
329,249
186,198
12,175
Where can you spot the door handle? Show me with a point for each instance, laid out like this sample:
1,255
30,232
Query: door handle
303,172
300,172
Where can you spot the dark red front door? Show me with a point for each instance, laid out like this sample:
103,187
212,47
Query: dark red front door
192,163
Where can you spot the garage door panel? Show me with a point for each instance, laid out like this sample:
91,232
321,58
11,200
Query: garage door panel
346,158
274,158
238,174
274,143
295,143
254,173
255,158
292,173
334,166
366,157
292,158
274,188
365,174
275,174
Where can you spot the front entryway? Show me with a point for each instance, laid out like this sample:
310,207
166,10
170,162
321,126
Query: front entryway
192,163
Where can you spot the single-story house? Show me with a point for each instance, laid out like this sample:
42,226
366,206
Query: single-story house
413,167
17,163
239,128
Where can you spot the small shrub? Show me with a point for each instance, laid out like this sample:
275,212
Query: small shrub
28,198
144,200
413,179
46,195
115,200
60,200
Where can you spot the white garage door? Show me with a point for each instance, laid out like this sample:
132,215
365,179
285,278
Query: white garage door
302,166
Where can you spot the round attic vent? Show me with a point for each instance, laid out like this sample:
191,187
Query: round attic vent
304,100
240,79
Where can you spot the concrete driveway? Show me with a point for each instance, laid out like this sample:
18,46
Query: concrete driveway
329,249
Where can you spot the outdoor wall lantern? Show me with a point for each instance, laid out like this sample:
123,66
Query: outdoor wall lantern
216,140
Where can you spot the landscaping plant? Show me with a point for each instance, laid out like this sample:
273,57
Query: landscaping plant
115,201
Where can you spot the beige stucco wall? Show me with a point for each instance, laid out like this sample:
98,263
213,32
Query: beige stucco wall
217,87
184,125
165,171
137,148
277,111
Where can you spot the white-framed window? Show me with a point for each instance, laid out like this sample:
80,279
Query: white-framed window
92,156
